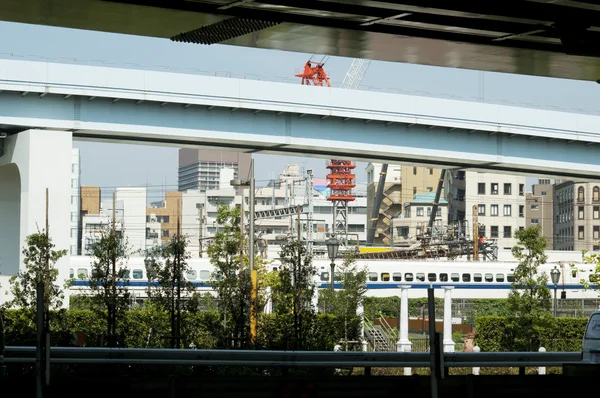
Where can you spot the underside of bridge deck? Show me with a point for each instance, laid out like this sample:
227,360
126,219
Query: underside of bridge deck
534,37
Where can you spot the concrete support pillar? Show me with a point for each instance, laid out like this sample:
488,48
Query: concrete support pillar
34,160
476,369
404,344
448,342
542,369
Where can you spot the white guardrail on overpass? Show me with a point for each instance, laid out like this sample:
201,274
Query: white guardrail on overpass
141,356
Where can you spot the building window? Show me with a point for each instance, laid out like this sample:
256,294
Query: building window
494,231
507,232
414,190
481,188
414,171
73,183
580,232
481,210
507,189
543,193
507,210
596,232
580,194
596,212
521,210
596,196
482,231
535,221
494,188
430,172
580,212
429,189
419,212
165,233
521,189
493,210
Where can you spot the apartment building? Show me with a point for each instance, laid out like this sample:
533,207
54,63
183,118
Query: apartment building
401,184
93,224
89,204
199,169
576,221
500,203
539,209
163,218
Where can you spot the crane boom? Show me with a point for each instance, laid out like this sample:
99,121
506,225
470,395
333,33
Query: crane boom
356,73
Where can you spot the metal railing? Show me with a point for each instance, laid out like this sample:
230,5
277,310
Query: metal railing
149,356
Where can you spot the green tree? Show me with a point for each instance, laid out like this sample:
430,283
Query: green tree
40,259
345,301
231,278
528,302
109,280
166,267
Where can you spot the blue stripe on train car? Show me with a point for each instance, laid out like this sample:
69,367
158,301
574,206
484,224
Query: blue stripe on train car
81,283
472,286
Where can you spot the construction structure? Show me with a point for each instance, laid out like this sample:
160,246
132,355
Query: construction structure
313,74
341,182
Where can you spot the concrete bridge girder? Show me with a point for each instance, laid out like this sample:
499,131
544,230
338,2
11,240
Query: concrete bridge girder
34,160
148,122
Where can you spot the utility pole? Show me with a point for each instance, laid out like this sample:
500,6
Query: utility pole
200,225
475,232
112,310
178,275
253,274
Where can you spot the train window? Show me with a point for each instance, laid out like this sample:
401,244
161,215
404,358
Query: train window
489,277
421,276
455,277
125,274
204,275
324,276
337,276
71,273
82,273
510,278
477,277
138,274
408,277
431,277
385,276
466,277
191,275
372,276
499,277
397,277
443,277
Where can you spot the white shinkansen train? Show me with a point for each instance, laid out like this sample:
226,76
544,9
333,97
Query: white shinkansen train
470,280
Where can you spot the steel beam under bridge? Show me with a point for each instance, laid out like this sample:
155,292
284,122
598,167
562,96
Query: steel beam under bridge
129,106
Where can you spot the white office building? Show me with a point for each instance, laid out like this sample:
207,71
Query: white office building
500,201
75,202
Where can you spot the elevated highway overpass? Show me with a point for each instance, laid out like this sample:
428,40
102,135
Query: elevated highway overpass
44,106
147,107
533,37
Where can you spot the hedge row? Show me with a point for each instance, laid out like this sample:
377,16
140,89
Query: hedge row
493,334
149,328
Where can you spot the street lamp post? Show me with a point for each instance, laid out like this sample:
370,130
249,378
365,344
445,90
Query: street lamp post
555,275
332,250
253,276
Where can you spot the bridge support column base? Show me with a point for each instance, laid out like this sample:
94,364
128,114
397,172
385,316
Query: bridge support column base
34,160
